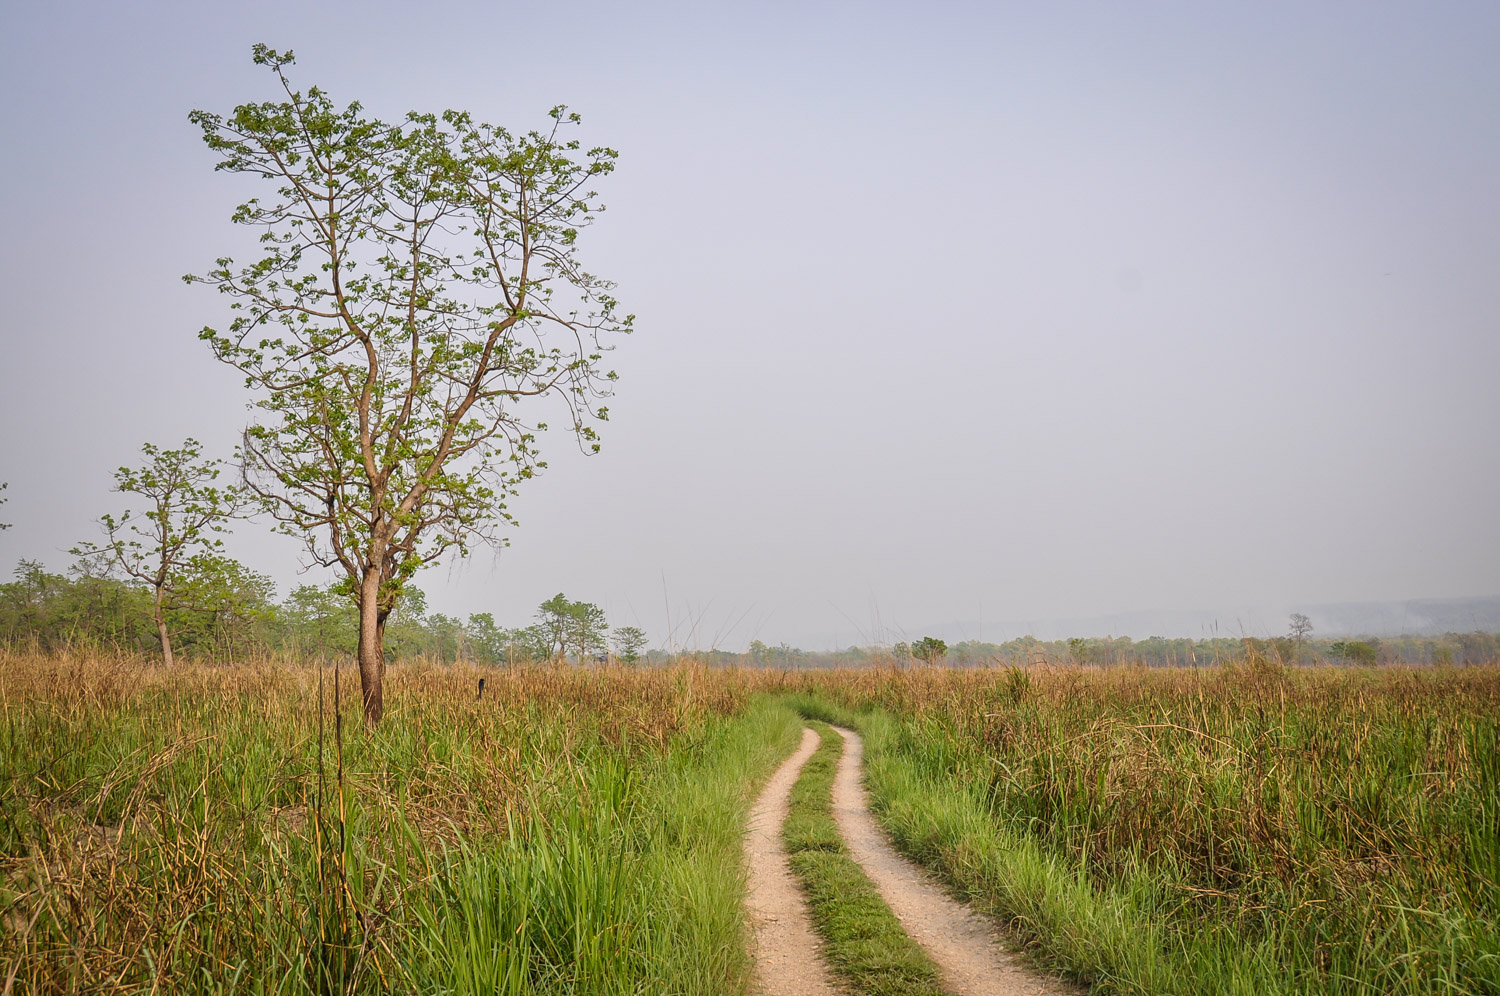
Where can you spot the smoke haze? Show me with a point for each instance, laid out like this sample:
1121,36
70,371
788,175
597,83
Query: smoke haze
1000,313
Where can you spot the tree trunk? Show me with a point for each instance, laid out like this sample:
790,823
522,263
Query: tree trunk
371,648
161,630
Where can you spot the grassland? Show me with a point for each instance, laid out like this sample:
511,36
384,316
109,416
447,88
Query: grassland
1248,829
189,831
1239,829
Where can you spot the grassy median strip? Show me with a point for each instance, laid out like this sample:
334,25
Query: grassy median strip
865,941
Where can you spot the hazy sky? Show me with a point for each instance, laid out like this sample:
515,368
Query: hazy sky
945,311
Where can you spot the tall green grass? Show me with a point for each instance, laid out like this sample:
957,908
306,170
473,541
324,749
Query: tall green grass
641,894
215,830
1239,830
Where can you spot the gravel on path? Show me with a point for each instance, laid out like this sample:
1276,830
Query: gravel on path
788,956
968,949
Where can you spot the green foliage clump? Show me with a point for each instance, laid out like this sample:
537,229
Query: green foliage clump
572,627
1356,651
929,649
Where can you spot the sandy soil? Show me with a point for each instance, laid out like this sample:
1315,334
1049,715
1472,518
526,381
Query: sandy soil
788,959
967,949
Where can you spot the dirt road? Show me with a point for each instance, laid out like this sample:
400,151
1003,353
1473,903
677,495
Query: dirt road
788,959
966,948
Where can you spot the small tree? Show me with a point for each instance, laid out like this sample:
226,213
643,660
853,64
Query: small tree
417,283
629,642
186,515
1300,629
929,649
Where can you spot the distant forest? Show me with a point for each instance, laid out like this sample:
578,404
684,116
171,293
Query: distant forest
242,619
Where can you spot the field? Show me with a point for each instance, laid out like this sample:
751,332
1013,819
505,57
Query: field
234,828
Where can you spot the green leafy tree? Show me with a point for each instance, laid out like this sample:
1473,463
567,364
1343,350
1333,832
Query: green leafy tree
590,632
629,642
527,643
185,516
321,619
568,626
1357,651
28,599
82,608
552,619
221,602
418,283
929,649
3,485
406,634
445,638
485,640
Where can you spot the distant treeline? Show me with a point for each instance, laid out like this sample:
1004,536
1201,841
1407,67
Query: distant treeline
243,620
1157,651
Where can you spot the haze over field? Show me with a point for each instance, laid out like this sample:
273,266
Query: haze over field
999,315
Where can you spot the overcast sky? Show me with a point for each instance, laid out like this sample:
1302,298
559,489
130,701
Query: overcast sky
977,312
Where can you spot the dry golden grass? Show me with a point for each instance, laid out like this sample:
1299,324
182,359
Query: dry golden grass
158,824
217,828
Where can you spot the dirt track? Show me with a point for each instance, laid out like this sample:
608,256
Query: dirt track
788,959
965,947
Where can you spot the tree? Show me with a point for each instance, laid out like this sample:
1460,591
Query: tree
576,626
1079,648
1300,629
486,641
589,633
3,485
187,514
552,620
629,642
226,598
1358,651
417,283
321,618
929,649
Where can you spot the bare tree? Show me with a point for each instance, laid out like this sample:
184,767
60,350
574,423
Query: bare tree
417,284
1300,629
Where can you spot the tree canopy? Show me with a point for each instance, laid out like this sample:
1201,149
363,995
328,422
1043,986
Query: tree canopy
417,287
172,547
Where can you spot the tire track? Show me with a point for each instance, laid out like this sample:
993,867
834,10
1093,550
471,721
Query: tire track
788,956
967,949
